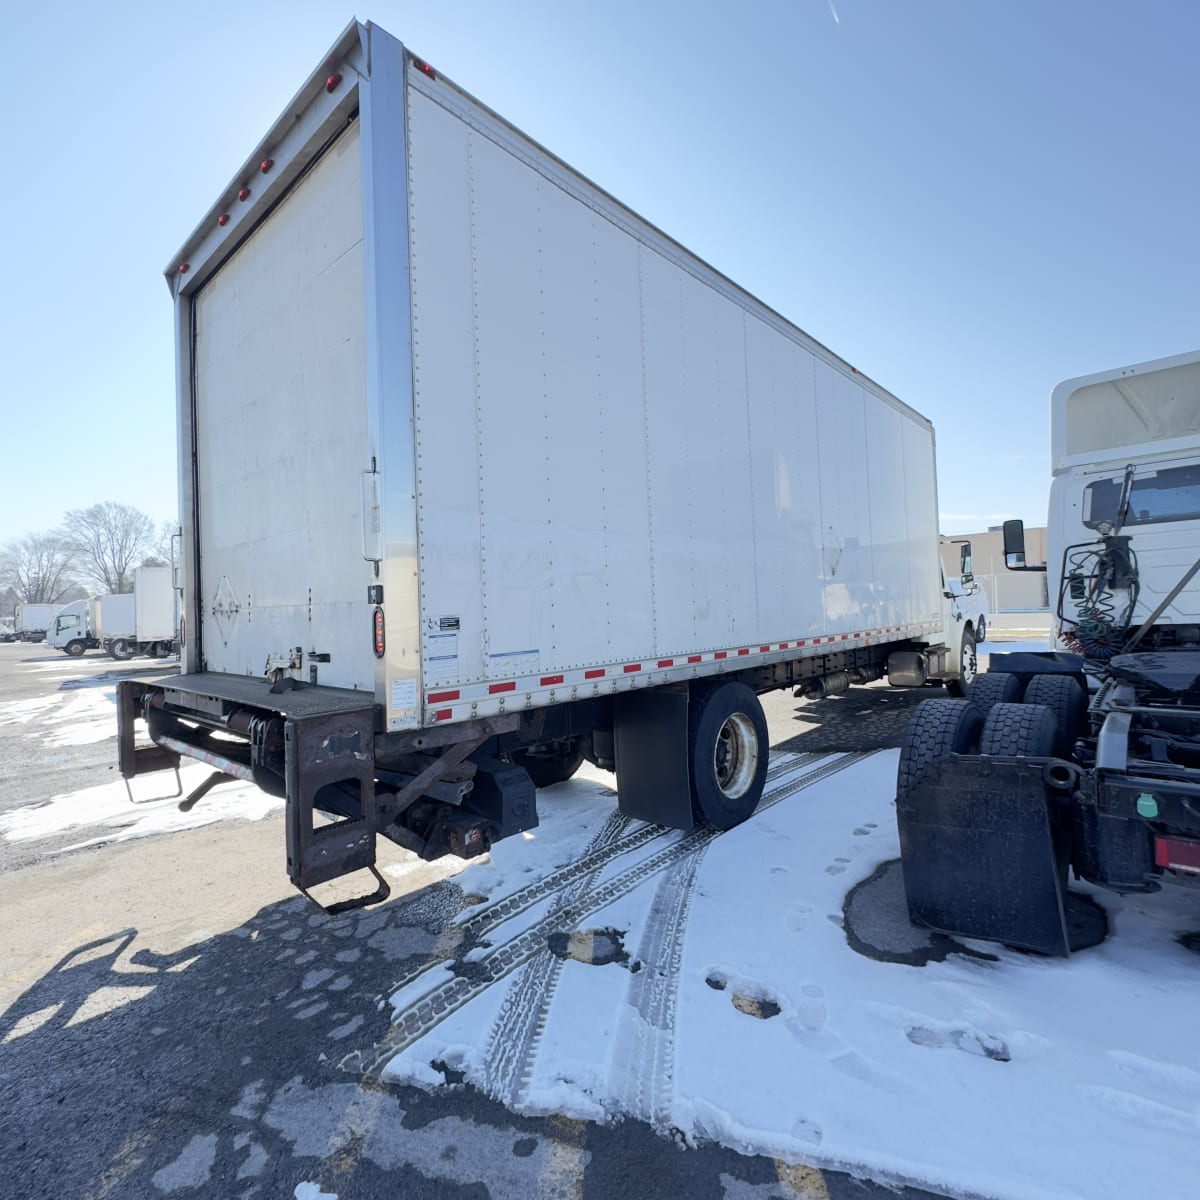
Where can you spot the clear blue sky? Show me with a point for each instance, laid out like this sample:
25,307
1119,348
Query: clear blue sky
969,201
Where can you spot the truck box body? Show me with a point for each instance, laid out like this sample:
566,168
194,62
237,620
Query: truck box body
154,605
482,475
116,617
589,456
33,621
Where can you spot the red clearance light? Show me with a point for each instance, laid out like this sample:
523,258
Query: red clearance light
223,220
425,68
266,165
377,620
331,84
244,193
184,268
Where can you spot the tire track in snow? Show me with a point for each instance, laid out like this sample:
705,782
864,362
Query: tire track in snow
433,1006
644,1056
517,1031
586,866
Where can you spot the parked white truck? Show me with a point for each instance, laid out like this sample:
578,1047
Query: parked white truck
32,621
74,629
1087,757
482,475
144,621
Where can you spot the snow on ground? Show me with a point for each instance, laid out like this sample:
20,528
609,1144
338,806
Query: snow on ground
743,1015
106,814
82,711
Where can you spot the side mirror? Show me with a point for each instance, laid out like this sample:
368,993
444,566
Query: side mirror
964,563
1014,545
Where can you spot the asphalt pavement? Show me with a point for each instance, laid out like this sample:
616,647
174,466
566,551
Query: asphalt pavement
175,1020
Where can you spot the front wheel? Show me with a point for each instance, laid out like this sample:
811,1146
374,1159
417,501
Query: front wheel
727,753
75,648
120,649
967,666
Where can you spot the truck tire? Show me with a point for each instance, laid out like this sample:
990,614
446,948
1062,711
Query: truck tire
727,753
1024,730
120,649
937,729
980,631
548,769
74,648
995,687
1064,697
962,684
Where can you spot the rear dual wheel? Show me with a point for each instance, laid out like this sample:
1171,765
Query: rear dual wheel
728,748
937,729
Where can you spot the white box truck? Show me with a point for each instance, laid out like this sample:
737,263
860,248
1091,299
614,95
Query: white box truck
33,621
482,475
145,620
74,630
1086,758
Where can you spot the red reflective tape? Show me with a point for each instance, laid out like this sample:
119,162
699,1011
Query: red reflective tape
799,644
1179,855
763,649
743,651
594,674
720,654
551,680
845,637
443,715
629,668
440,697
666,662
783,645
694,658
493,688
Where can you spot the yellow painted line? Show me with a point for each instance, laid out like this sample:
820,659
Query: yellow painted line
567,1160
806,1183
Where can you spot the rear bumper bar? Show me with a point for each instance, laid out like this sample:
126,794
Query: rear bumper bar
313,746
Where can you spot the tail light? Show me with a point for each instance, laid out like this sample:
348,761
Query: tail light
377,621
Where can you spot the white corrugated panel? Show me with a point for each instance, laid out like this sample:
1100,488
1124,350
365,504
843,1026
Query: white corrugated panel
617,460
281,436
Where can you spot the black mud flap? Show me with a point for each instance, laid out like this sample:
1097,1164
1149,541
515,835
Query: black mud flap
650,735
982,854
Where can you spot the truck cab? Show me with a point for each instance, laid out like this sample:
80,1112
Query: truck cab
1086,757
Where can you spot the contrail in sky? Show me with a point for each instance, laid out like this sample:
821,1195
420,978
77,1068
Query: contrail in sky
833,13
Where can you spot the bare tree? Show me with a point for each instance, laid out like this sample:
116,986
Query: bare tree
110,539
161,553
38,568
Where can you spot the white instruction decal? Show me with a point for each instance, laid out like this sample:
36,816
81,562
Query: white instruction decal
441,647
441,639
404,694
